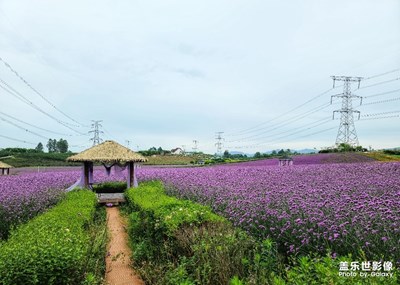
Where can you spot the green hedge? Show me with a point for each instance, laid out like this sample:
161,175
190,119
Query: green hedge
53,247
182,242
169,211
110,187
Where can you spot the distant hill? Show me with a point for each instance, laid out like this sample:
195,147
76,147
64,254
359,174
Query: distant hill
302,151
237,152
307,150
37,159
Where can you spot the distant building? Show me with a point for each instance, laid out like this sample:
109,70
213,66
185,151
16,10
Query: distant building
177,151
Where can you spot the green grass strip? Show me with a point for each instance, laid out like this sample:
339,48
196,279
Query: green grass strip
170,211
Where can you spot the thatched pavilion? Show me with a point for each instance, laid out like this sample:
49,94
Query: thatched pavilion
108,153
5,168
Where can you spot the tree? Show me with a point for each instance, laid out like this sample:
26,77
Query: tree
62,146
51,145
226,154
257,155
39,147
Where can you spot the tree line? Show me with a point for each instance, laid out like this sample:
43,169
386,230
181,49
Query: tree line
54,146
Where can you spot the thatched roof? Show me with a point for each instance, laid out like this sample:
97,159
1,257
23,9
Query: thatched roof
108,152
5,165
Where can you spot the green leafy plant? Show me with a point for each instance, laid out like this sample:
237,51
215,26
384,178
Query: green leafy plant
110,187
53,247
186,243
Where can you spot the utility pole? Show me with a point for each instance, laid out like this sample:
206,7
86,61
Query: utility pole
196,142
219,143
347,131
127,143
96,132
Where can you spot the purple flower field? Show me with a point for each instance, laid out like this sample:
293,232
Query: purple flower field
321,158
304,208
312,206
25,195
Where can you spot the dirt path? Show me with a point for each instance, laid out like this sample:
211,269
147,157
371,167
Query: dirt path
119,271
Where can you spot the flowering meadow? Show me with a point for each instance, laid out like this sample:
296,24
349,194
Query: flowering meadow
304,208
321,158
24,196
27,194
311,206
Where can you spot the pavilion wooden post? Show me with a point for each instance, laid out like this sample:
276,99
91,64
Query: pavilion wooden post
90,174
135,183
86,166
130,174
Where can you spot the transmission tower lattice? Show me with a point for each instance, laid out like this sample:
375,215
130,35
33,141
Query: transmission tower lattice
219,143
347,131
96,132
195,147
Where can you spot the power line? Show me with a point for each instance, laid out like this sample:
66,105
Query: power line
22,98
288,112
381,94
36,91
306,128
380,83
381,101
17,140
385,117
302,129
22,128
307,135
348,109
381,74
380,114
109,134
19,96
256,128
290,120
39,128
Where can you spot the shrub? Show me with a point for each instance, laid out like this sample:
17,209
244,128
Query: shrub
392,151
51,248
95,264
110,187
181,242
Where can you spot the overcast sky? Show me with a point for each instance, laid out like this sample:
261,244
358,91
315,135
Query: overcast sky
165,73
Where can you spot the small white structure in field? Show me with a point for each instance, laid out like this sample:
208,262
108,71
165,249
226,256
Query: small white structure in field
177,151
285,161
